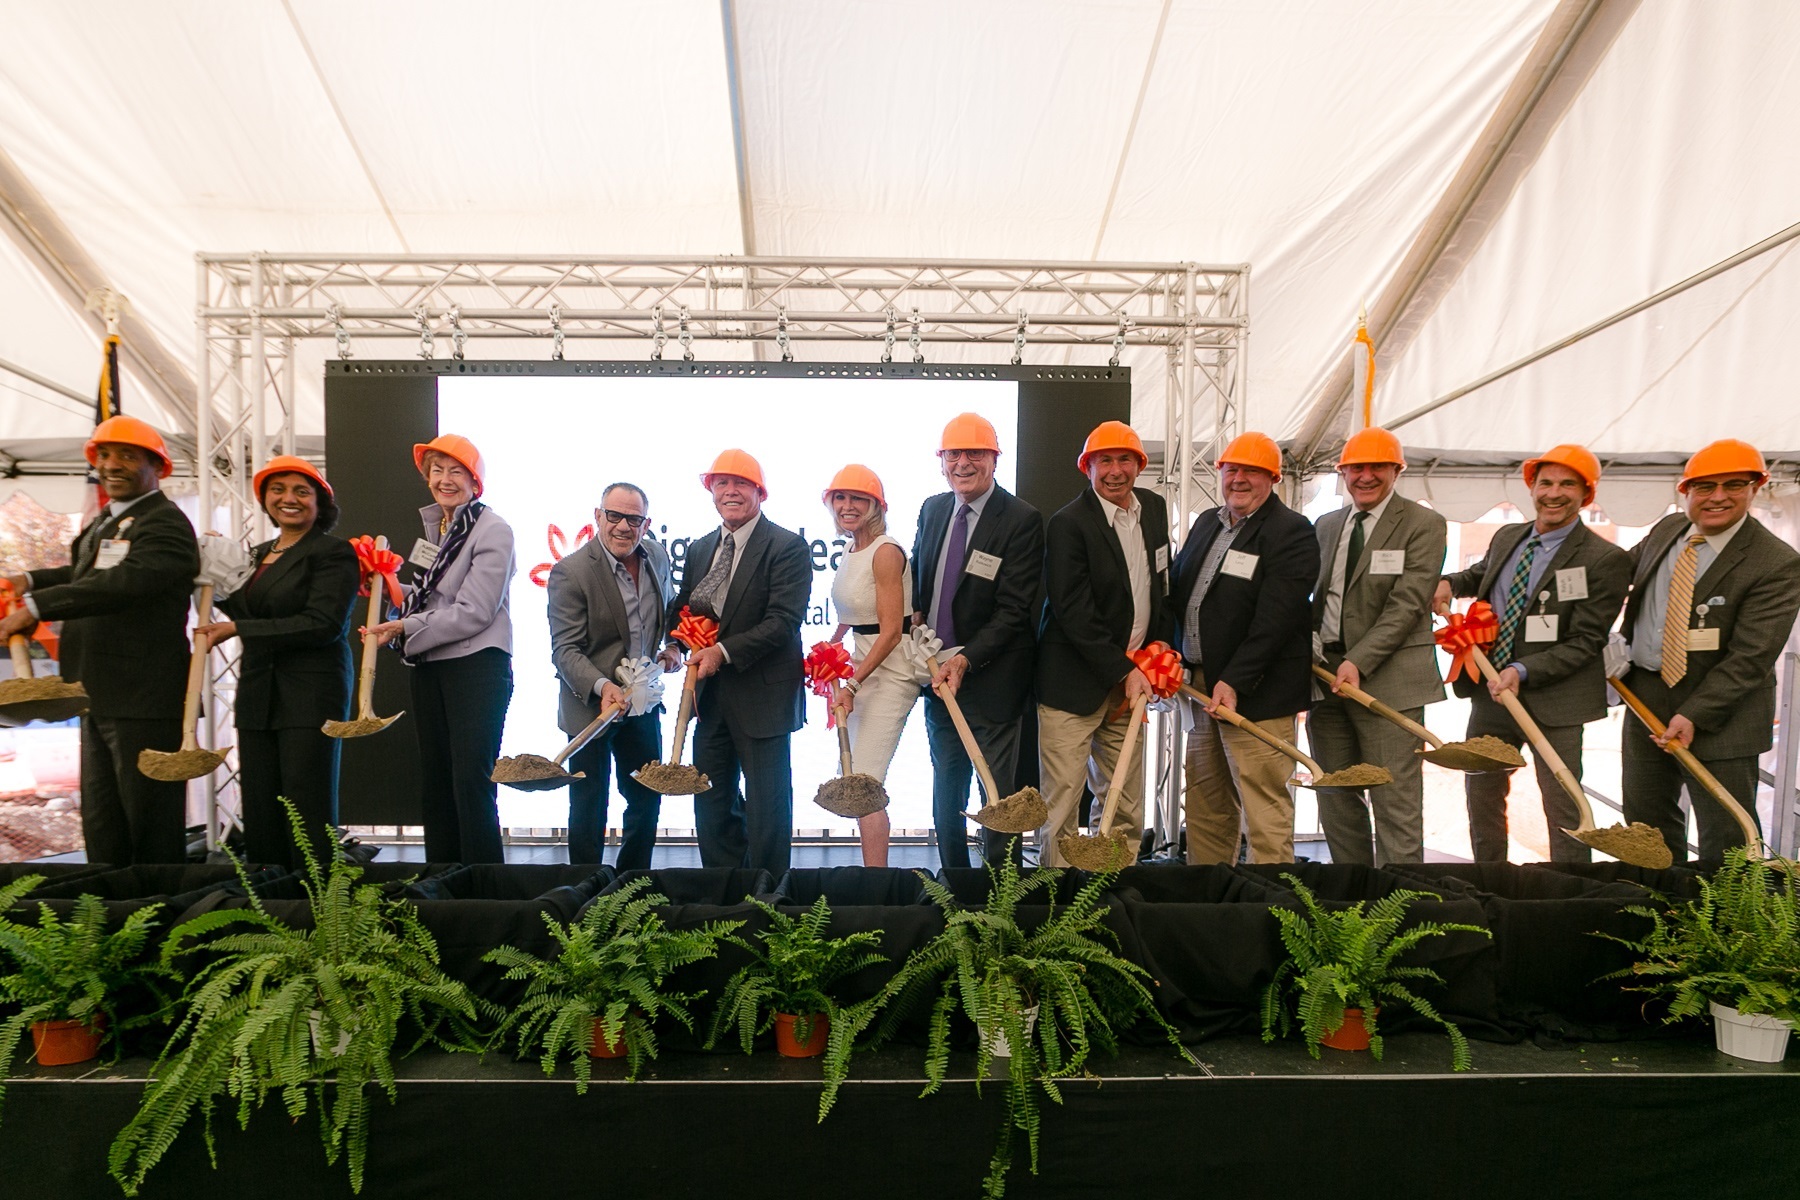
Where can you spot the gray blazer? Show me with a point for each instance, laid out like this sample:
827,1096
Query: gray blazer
1728,693
470,610
589,625
1386,619
1565,680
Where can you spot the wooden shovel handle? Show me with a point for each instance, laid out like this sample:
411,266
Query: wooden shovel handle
1252,728
1539,743
841,720
966,734
1123,765
589,733
1692,765
683,713
190,708
1379,709
19,646
365,683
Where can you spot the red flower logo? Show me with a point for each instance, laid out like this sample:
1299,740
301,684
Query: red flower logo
557,541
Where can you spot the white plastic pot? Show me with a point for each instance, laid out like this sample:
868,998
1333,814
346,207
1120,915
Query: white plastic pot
1754,1037
997,1044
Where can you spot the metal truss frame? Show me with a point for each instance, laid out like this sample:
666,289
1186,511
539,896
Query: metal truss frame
252,310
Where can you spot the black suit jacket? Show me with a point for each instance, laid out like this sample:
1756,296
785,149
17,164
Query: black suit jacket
124,632
1255,633
294,623
1087,603
760,692
996,619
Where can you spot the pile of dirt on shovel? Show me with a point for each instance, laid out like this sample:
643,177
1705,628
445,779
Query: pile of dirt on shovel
672,779
1019,813
1356,775
1492,747
526,768
39,687
852,796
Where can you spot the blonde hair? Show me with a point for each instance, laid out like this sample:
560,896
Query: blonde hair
875,524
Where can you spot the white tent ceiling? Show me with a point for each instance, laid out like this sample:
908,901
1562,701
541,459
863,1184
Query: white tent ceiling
1310,138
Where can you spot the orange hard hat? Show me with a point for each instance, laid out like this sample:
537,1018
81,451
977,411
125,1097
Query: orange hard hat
1253,450
1727,456
859,479
458,447
1578,459
289,464
736,462
1372,445
129,431
1112,435
969,431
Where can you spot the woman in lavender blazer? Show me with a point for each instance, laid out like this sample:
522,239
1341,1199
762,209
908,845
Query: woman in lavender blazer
455,630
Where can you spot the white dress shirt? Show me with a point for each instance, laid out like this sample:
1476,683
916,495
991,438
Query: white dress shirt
937,571
1125,523
1334,598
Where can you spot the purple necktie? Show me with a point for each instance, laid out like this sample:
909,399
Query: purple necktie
953,566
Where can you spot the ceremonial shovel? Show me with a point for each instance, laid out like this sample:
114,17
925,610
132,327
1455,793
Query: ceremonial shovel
1104,851
535,773
674,778
849,795
366,721
25,697
1693,767
191,761
1354,776
1491,755
1021,812
1636,843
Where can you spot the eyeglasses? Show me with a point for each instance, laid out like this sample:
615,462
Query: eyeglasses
633,520
1706,487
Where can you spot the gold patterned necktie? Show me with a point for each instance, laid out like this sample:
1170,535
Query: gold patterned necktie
1675,618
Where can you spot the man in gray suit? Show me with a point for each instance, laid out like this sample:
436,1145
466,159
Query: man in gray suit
1555,587
607,602
1713,600
1380,563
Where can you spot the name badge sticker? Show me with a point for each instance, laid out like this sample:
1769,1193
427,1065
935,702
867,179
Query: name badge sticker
1541,629
1703,639
1242,565
1162,558
423,554
1571,584
983,565
1387,562
112,552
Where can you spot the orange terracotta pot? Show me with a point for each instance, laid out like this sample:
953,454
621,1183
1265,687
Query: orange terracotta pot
791,1046
60,1043
604,1049
1351,1035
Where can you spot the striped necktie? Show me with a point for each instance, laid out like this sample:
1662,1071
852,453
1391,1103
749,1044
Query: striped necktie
1675,617
1516,602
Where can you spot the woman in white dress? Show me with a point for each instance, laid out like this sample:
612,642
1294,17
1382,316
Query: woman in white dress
871,592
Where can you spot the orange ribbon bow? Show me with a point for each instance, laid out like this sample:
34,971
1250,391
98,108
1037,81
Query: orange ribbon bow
695,631
1465,631
375,561
1162,667
826,663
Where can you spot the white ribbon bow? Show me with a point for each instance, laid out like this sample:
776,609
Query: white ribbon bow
642,680
223,563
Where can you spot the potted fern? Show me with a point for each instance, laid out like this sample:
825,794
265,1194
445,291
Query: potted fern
1733,951
997,971
603,992
76,984
314,1014
788,983
1343,965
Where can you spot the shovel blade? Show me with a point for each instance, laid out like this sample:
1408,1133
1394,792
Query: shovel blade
1091,852
177,766
1021,812
361,727
852,796
672,779
1639,844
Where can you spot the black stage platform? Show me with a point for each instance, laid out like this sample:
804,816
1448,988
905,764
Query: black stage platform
1639,1120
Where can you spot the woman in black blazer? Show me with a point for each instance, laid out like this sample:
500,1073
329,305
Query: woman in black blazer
294,615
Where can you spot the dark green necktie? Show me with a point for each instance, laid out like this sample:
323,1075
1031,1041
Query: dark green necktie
1356,547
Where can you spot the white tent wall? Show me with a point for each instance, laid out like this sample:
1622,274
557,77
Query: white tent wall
1679,153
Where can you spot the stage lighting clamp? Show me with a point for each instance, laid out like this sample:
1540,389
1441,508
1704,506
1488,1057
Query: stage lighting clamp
686,336
781,335
556,333
887,352
1019,339
913,339
457,336
657,336
335,314
1119,340
424,320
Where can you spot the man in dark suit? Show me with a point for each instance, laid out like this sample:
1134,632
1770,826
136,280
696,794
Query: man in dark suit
754,578
1380,560
1106,594
1713,599
1243,622
609,601
123,601
1555,587
978,564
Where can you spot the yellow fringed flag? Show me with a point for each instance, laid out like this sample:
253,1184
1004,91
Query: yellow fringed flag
106,406
1362,370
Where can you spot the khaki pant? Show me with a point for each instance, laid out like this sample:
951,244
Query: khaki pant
1234,779
1066,742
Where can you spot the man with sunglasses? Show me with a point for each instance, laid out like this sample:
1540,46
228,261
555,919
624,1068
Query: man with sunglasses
608,601
1713,600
